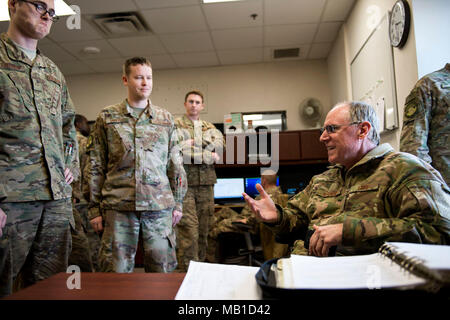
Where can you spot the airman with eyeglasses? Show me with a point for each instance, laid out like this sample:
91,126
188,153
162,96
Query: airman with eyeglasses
42,8
37,115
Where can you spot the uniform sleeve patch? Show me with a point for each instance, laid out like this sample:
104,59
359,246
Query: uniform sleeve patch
410,110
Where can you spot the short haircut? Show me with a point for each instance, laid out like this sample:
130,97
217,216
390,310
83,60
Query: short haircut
133,62
82,125
194,92
270,176
359,112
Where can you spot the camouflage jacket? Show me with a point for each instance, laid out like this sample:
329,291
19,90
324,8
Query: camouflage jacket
386,196
426,121
83,158
198,161
38,139
135,164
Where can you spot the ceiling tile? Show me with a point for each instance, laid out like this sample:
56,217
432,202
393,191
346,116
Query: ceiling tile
106,65
103,6
4,26
233,14
61,33
74,67
327,31
319,50
292,11
180,19
162,61
199,59
188,33
55,52
46,40
187,42
106,51
153,4
238,38
240,56
138,45
304,48
337,10
287,34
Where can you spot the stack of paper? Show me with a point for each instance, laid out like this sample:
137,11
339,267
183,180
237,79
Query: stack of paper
210,281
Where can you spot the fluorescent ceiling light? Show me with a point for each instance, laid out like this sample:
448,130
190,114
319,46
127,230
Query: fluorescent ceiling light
266,122
252,117
213,1
61,9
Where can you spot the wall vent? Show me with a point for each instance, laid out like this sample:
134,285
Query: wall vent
286,53
121,24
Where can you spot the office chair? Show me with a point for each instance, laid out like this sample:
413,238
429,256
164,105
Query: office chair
242,248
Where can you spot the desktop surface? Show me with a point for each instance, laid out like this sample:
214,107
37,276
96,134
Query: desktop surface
105,286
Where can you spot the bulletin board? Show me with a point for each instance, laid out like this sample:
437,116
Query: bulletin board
373,77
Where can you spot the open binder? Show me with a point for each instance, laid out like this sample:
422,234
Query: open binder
396,266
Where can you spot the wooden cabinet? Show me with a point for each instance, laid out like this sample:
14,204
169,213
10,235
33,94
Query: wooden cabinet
290,146
286,147
311,147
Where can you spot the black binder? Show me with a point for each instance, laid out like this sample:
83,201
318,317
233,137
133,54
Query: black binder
436,286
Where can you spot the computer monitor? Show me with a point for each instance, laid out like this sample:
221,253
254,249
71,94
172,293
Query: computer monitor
229,190
250,186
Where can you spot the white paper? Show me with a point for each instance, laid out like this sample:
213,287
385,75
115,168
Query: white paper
354,272
433,256
211,281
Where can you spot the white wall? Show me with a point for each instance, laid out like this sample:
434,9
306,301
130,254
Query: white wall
340,81
365,15
432,27
252,87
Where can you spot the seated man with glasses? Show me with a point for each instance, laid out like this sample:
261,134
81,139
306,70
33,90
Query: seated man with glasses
369,195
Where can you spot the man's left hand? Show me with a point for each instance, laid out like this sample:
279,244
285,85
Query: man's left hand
176,217
324,238
216,157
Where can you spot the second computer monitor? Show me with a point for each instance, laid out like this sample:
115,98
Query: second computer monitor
250,186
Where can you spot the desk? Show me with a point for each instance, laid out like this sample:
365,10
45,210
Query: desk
105,286
217,207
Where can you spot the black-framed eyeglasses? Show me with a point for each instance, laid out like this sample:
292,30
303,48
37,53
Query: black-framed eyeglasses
41,8
332,128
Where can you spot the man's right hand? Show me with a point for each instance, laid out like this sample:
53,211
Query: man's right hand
97,224
2,221
263,209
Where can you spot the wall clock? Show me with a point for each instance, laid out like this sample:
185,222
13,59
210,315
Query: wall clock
399,23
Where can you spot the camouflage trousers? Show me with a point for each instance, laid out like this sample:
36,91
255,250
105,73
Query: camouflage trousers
81,253
221,221
271,248
36,241
92,237
121,235
192,230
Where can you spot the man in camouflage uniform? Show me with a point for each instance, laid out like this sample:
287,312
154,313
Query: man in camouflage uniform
201,143
38,149
85,241
369,195
223,220
136,177
426,121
